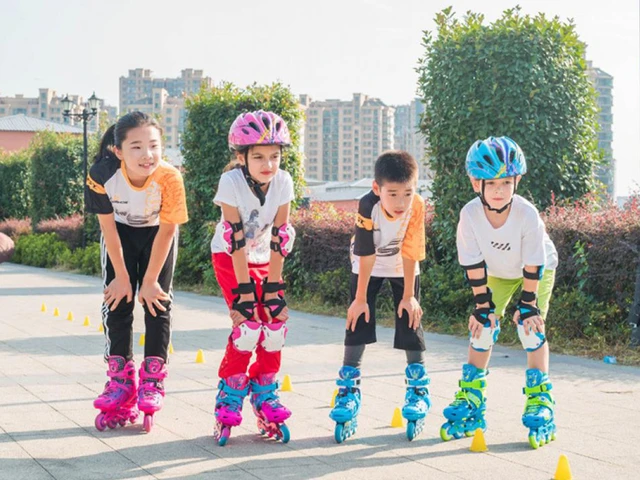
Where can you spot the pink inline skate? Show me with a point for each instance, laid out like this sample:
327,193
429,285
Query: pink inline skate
153,371
267,407
231,393
117,403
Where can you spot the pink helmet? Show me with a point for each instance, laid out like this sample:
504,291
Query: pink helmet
258,128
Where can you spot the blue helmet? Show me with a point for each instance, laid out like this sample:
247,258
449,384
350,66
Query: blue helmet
495,157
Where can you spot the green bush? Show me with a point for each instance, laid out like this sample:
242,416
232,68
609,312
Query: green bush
40,250
14,182
56,184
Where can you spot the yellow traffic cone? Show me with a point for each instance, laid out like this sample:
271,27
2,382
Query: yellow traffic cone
200,356
101,327
333,398
70,316
478,444
396,421
563,472
56,312
86,323
171,348
43,308
286,384
141,342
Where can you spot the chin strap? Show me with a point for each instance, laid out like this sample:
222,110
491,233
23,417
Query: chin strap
498,210
255,186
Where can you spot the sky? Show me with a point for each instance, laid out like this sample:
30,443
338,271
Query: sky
327,49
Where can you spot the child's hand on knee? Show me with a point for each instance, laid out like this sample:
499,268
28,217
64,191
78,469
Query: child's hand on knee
357,308
413,309
118,289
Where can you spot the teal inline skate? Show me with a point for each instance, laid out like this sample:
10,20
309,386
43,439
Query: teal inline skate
347,406
538,411
417,401
466,413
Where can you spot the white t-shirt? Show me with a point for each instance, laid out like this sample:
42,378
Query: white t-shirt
257,220
522,240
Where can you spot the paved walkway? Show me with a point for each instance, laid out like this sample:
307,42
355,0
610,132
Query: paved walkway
51,370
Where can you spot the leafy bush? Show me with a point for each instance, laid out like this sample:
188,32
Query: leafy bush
14,227
14,182
69,229
40,250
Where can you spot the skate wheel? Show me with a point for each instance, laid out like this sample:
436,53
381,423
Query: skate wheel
533,441
112,423
148,423
100,422
339,433
262,431
224,436
445,434
411,430
285,433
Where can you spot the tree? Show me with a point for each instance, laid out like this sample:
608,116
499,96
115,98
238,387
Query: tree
56,185
521,76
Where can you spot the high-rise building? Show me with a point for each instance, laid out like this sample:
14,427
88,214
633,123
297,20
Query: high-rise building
163,97
603,83
139,84
407,135
342,139
48,106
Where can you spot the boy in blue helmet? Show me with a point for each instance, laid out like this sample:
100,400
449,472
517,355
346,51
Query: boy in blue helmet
503,247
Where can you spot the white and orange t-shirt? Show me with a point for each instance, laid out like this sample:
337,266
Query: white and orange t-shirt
161,199
390,239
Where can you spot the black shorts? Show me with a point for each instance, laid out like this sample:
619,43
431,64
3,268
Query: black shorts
365,333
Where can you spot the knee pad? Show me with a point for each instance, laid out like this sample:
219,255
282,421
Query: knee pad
245,336
273,336
487,339
531,342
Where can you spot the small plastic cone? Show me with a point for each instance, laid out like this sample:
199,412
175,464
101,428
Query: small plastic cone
100,328
141,342
333,398
43,308
70,316
286,384
200,356
86,323
478,444
171,348
563,471
396,421
56,312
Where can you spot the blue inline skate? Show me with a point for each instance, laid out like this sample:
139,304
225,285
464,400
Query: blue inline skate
466,413
538,411
417,401
347,407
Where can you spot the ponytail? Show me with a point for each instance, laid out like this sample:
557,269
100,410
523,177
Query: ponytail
107,143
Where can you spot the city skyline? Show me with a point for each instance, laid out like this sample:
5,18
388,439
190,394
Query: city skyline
327,50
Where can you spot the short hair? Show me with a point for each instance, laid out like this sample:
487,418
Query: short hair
395,166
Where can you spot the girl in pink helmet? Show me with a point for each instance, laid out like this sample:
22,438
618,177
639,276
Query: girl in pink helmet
248,249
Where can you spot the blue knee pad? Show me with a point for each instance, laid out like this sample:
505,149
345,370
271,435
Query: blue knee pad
487,339
531,342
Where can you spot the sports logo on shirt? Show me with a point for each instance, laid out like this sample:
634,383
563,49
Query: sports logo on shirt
501,246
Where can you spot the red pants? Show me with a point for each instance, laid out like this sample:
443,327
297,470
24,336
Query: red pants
234,361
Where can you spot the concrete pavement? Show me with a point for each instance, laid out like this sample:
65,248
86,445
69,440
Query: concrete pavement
51,369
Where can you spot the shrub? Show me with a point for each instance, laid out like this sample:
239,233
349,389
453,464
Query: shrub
69,229
14,227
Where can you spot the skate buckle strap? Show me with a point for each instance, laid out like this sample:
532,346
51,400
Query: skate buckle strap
417,382
467,397
542,388
233,391
478,384
348,382
257,388
534,402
